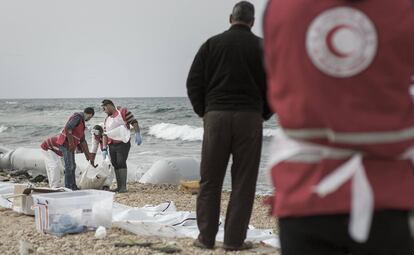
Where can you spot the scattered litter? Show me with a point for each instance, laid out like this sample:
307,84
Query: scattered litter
169,249
25,248
190,186
39,178
130,243
160,247
100,232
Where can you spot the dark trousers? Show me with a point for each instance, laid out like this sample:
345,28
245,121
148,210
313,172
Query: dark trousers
70,167
119,154
228,133
328,235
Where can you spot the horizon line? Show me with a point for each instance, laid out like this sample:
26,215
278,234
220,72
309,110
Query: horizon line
119,97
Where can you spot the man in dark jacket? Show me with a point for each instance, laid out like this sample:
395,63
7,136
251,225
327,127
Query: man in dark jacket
227,88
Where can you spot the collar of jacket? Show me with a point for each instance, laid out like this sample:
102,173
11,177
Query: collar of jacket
240,27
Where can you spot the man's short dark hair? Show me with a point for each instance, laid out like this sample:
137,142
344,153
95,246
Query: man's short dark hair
89,110
106,102
243,11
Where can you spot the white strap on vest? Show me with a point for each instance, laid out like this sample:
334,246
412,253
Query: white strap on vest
362,205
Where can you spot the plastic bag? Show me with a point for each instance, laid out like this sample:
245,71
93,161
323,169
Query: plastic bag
120,133
94,178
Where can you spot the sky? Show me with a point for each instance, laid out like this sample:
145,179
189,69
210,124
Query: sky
105,48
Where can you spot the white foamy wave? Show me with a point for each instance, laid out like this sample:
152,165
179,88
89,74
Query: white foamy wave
269,132
3,128
169,131
11,102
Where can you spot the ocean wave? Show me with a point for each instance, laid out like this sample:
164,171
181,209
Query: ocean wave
162,110
168,131
3,128
40,108
11,102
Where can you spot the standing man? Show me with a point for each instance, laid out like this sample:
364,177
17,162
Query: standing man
117,137
339,80
226,86
72,136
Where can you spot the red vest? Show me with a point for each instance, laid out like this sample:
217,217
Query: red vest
78,133
339,75
51,144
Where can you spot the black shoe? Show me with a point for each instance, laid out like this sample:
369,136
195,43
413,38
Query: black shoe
200,245
244,246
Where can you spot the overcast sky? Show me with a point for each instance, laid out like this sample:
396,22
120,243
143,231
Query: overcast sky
105,48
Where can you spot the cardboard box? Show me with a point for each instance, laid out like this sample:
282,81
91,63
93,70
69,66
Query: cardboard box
23,200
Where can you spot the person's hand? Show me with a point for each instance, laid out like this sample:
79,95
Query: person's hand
104,153
138,138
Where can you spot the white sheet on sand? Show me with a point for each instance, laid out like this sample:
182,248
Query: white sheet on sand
161,220
5,190
164,220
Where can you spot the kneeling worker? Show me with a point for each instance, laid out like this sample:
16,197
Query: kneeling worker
53,161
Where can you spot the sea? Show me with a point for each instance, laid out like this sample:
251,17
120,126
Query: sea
169,128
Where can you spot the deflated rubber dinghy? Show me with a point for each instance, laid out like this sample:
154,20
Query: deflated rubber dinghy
172,171
33,161
165,171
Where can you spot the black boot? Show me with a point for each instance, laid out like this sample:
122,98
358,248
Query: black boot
118,182
122,188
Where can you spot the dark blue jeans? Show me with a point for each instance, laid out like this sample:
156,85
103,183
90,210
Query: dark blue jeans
70,166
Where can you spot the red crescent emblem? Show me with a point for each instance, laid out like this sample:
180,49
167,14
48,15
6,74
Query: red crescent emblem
330,44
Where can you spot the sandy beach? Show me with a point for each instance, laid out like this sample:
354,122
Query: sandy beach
19,230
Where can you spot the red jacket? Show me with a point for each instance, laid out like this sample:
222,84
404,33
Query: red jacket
51,144
339,75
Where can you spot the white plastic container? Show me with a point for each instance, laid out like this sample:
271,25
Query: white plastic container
60,213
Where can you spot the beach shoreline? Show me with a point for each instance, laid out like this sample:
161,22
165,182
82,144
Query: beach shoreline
18,230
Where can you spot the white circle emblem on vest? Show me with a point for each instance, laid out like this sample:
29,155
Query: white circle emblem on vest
342,42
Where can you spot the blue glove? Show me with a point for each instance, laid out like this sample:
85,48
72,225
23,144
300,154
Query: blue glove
104,153
138,138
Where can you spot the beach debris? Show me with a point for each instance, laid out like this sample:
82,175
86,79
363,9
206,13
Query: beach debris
25,248
131,243
192,187
100,232
38,178
19,173
4,178
168,248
